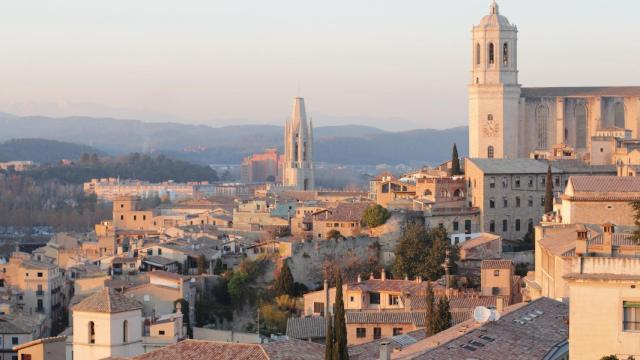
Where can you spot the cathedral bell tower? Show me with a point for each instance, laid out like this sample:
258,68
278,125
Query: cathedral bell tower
494,92
298,170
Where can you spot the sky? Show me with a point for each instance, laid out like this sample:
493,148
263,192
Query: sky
394,64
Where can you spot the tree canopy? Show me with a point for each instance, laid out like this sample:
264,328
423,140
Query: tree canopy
548,192
375,216
284,282
455,161
422,251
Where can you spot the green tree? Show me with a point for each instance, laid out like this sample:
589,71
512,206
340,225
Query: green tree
455,161
636,219
430,322
201,263
218,268
284,282
328,341
443,314
375,216
340,351
239,286
334,234
548,192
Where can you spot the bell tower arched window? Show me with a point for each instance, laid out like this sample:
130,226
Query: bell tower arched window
490,152
505,54
477,54
125,331
542,116
492,54
92,333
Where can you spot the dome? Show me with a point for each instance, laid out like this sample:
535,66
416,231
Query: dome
494,19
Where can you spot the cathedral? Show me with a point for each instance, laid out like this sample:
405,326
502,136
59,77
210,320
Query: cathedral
298,172
507,120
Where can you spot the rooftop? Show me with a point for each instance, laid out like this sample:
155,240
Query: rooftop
496,264
605,184
107,300
512,166
581,91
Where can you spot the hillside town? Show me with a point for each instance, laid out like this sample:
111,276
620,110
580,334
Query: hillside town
527,248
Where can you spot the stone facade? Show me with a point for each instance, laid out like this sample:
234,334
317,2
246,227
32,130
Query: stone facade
298,171
507,120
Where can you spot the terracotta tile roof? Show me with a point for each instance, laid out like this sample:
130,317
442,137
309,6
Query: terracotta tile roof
606,184
159,260
40,341
201,349
400,317
306,327
390,285
107,300
496,264
457,302
544,328
343,212
479,240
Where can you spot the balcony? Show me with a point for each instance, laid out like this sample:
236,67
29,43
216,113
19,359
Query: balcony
39,292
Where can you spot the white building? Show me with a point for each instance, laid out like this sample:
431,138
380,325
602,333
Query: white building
107,324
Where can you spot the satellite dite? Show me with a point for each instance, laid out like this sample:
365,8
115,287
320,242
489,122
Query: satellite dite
483,314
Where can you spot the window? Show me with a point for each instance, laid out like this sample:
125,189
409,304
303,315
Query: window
495,291
397,331
505,54
467,226
492,203
530,225
144,217
25,356
121,217
318,307
455,226
477,54
149,251
161,332
351,299
517,224
505,225
505,182
492,226
159,251
530,201
377,333
631,320
517,181
542,117
496,272
361,333
490,152
492,182
14,340
580,114
556,181
125,331
505,202
491,54
39,274
92,333
135,218
374,298
530,181
517,201
394,300
618,119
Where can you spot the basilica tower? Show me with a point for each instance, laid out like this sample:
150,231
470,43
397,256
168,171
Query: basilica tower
298,169
494,92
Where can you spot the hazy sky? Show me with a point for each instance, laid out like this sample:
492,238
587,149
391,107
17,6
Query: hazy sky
396,64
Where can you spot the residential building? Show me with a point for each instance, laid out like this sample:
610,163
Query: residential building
12,335
262,167
298,169
345,218
51,348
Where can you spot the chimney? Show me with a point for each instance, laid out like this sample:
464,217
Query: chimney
418,279
359,278
371,276
383,275
607,238
406,277
499,304
581,241
385,350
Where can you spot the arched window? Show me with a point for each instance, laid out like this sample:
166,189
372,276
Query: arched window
619,115
542,116
490,117
457,193
505,54
429,193
125,331
477,54
490,152
92,333
492,54
581,126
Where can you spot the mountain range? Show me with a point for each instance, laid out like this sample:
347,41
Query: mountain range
202,144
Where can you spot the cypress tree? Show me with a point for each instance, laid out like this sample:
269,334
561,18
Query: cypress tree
443,314
430,323
340,351
328,341
548,193
284,282
455,161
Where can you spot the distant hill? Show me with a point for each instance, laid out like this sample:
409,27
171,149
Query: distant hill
42,150
348,144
